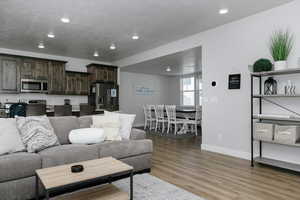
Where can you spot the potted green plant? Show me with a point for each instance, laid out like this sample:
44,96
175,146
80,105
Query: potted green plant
262,65
281,45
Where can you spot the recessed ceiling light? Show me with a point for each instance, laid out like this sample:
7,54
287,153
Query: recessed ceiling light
96,54
112,47
168,69
51,35
223,11
135,37
41,45
65,20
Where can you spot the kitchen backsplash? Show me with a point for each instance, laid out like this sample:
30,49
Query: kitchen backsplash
51,99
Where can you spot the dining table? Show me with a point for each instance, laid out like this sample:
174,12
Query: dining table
187,114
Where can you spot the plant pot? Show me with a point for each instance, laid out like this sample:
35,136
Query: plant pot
280,65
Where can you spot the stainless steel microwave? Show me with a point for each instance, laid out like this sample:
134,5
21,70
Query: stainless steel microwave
34,86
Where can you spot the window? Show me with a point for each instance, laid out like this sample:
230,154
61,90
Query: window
188,91
191,90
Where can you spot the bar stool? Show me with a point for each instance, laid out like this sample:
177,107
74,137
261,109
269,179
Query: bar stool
63,110
35,109
86,109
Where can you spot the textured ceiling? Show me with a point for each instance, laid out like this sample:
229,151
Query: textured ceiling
180,63
95,24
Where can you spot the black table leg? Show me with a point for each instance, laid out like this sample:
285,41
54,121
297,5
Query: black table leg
131,186
37,187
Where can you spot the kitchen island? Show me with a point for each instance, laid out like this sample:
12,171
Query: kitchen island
4,112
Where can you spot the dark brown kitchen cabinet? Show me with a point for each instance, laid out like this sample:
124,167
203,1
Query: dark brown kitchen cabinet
41,69
76,83
34,69
9,74
99,72
13,68
27,69
56,77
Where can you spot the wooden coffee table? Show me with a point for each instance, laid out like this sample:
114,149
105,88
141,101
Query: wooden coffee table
100,171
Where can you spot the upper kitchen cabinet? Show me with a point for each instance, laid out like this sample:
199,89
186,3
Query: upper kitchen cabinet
76,83
14,68
9,74
99,72
56,77
41,69
34,69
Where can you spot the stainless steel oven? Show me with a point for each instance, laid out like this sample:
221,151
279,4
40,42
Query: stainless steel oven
34,86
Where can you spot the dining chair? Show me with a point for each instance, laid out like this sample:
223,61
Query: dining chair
172,119
85,109
149,118
160,117
197,121
63,110
35,109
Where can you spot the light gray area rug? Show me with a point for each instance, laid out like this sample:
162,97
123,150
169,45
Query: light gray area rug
147,187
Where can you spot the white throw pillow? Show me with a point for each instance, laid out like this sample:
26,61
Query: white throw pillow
10,140
87,136
126,121
110,125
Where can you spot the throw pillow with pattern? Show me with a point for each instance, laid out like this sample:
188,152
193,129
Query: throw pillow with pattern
36,133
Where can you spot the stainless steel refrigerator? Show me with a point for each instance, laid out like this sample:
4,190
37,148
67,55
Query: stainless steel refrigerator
104,95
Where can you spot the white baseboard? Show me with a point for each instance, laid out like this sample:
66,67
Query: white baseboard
226,151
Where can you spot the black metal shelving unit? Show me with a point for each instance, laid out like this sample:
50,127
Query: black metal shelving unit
261,97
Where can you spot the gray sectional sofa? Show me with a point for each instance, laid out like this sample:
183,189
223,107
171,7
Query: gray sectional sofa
17,171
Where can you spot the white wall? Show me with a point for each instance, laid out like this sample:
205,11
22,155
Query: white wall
230,49
174,90
131,102
74,64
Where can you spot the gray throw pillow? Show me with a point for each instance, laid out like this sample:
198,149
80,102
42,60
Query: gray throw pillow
36,133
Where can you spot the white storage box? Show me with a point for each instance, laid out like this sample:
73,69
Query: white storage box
287,134
264,131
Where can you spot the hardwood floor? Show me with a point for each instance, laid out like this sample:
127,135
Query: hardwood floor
218,177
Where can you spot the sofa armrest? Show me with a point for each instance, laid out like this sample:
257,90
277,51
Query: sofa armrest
137,134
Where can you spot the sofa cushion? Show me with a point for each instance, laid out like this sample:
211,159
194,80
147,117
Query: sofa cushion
66,154
85,121
62,127
10,140
36,133
137,134
110,125
19,165
140,162
126,122
125,148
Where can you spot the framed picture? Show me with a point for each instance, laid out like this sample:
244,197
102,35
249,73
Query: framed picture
113,92
234,81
